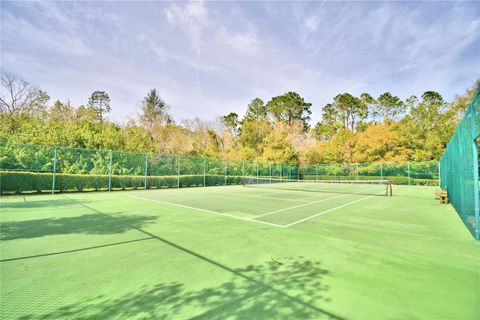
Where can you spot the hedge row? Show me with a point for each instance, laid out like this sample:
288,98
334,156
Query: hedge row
14,182
28,182
398,180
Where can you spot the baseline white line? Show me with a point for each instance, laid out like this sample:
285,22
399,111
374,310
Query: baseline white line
209,211
326,211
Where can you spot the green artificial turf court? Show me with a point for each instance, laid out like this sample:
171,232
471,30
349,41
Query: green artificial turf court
237,252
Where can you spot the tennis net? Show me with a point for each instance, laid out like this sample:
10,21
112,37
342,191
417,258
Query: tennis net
361,187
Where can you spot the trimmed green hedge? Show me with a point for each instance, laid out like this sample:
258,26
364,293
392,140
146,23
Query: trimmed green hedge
15,182
398,180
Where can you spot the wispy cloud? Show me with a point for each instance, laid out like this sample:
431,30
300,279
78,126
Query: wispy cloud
192,18
210,58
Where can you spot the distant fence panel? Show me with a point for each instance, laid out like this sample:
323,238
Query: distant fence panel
34,168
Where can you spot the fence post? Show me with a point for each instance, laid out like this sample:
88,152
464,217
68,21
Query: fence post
408,164
476,209
54,168
110,173
257,172
146,170
270,172
226,171
204,172
243,168
381,171
316,171
439,172
281,170
178,172
356,165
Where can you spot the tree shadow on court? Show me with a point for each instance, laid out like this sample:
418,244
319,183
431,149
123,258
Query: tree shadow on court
293,290
96,223
36,204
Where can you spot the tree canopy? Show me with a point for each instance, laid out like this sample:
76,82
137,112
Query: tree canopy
352,129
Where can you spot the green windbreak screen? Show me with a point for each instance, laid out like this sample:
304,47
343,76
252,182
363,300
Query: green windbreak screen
25,157
459,167
36,168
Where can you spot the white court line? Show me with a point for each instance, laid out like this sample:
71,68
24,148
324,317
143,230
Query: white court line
257,196
209,211
293,190
228,192
307,204
326,211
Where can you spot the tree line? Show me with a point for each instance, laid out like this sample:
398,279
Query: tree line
353,128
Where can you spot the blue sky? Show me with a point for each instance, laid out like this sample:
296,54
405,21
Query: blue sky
210,58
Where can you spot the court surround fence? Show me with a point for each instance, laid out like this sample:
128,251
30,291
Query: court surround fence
459,168
26,168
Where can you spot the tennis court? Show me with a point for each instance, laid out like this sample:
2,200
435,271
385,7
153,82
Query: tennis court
264,249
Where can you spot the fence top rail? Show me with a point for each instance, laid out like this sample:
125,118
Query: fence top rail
189,157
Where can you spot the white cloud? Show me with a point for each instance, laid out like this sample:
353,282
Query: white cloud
208,59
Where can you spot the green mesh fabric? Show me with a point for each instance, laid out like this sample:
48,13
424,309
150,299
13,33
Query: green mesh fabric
459,167
35,168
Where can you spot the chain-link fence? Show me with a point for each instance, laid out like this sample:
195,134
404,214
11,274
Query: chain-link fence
459,164
35,168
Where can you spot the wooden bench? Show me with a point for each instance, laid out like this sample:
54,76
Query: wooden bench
442,195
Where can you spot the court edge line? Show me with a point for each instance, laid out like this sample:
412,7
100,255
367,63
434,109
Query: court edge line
306,204
209,211
326,211
218,264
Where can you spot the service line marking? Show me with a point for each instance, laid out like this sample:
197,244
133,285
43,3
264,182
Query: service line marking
307,204
210,211
326,211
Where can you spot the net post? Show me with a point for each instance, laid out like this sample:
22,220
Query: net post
204,172
408,166
178,172
54,175
110,170
146,170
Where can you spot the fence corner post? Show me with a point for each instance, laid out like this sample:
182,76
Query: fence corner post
408,168
204,172
178,172
110,173
225,171
54,175
146,170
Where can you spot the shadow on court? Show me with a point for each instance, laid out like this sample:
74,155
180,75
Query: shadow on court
29,203
293,290
95,223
